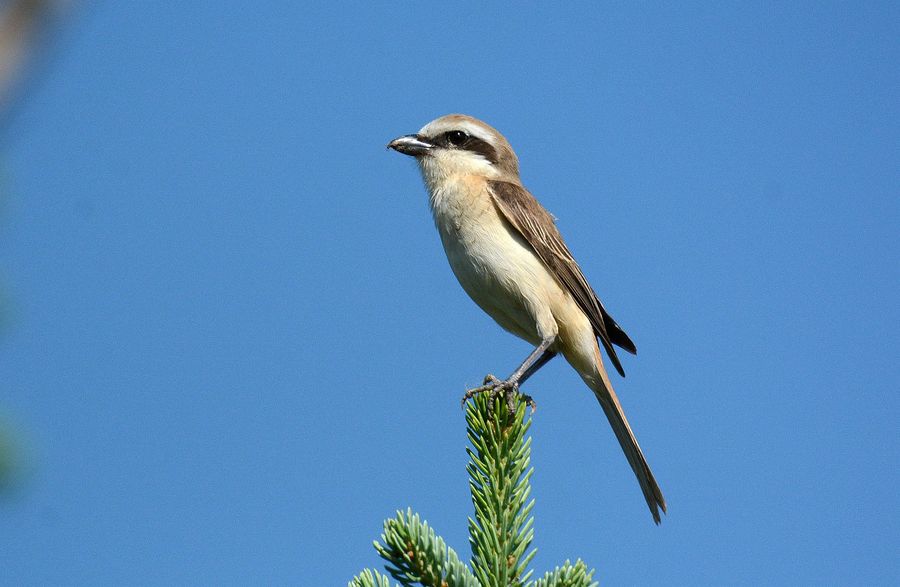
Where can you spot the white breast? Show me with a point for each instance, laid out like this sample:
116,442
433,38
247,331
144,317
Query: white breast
494,265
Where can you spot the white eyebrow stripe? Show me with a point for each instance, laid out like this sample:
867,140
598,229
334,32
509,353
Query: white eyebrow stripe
439,126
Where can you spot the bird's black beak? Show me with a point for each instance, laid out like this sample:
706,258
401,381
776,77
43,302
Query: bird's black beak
413,145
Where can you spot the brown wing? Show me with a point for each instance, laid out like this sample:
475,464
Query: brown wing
537,227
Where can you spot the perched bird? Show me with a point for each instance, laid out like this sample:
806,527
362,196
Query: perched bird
507,253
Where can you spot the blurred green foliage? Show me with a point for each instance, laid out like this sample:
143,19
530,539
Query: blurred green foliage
7,458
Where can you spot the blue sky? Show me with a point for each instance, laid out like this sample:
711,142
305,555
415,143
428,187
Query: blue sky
234,345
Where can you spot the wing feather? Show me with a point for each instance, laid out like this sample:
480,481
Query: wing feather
536,225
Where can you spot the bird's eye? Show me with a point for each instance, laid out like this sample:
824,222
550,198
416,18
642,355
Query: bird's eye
456,137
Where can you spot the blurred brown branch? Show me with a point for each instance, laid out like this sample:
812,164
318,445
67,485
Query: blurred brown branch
22,26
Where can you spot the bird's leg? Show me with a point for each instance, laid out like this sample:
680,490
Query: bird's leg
542,360
510,387
531,370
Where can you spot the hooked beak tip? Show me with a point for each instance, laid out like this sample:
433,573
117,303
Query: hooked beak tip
412,145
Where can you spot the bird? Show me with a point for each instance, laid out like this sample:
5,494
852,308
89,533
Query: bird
508,255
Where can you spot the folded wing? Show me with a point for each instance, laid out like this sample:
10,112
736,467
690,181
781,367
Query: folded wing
536,225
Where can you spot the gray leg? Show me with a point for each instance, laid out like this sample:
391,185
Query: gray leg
510,388
543,360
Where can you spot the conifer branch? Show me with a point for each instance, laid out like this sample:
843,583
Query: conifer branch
568,575
499,460
416,555
501,532
370,578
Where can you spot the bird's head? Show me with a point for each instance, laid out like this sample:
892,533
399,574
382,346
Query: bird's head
459,144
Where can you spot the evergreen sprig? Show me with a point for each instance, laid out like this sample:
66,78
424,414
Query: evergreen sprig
499,458
370,578
569,575
417,556
502,530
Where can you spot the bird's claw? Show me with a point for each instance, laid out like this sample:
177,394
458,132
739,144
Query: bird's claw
495,387
489,378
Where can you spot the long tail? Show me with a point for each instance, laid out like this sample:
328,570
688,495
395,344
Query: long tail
610,403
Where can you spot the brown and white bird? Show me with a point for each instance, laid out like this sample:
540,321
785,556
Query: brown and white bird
507,253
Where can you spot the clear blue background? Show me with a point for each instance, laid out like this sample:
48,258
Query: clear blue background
235,346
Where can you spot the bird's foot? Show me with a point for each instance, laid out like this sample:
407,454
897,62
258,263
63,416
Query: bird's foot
509,389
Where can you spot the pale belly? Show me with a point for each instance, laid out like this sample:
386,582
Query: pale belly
504,277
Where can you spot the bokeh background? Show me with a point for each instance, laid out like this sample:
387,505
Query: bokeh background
232,345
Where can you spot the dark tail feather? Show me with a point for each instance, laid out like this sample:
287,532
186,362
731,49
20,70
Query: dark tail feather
616,335
613,410
611,353
612,334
